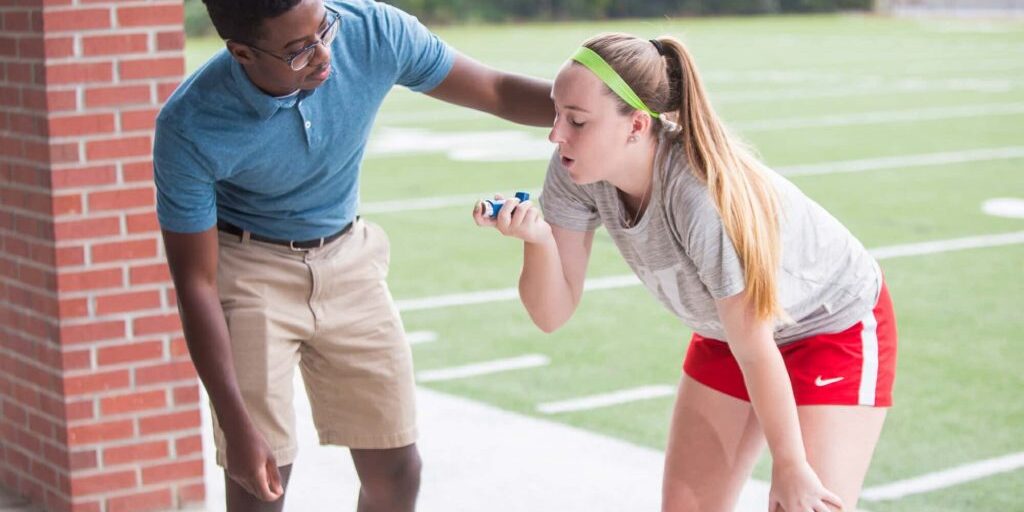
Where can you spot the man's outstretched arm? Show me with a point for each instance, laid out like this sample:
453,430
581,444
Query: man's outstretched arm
517,98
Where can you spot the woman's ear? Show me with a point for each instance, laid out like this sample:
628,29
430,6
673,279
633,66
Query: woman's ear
640,125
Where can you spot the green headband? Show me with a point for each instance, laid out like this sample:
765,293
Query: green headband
595,63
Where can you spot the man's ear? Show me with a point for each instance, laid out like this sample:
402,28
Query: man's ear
241,52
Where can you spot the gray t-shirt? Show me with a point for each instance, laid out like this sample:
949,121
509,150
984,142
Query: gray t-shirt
683,255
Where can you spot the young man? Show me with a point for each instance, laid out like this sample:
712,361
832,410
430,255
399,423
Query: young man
257,159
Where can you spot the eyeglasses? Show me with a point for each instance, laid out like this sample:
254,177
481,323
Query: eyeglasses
300,59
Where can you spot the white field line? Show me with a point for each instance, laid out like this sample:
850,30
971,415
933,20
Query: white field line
1010,207
484,368
606,399
420,337
842,166
883,116
946,478
513,145
621,281
873,85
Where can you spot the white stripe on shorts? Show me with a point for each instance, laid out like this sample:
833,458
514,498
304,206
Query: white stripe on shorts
869,353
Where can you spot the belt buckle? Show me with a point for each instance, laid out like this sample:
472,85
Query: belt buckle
291,245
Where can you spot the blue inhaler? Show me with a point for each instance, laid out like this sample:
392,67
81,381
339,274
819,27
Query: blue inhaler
493,206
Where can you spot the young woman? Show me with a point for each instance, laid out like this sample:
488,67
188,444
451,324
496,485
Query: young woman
794,338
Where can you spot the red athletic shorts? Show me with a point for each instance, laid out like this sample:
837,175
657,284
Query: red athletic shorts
853,367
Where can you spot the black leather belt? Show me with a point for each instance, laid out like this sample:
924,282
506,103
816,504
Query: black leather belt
295,245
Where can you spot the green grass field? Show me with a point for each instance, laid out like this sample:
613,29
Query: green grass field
930,87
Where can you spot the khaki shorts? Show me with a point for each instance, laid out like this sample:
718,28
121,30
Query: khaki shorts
328,311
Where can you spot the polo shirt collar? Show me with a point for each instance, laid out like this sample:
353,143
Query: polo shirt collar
262,104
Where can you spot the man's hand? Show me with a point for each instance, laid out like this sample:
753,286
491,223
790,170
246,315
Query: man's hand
251,465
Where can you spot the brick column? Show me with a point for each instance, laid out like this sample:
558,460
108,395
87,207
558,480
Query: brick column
99,401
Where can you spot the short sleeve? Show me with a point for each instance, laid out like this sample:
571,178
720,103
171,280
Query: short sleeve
186,196
423,60
565,203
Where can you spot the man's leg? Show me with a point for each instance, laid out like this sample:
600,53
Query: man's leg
390,479
239,500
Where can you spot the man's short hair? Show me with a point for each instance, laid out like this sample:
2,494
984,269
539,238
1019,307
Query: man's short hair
241,20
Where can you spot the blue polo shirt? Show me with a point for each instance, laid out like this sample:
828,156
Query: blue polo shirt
287,168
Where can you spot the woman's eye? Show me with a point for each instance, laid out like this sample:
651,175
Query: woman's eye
576,124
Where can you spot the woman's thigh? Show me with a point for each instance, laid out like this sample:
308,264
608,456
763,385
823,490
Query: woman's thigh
714,441
840,441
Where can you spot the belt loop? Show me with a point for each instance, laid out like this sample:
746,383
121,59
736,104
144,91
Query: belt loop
246,235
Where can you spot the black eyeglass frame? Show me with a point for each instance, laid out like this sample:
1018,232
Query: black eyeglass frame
309,48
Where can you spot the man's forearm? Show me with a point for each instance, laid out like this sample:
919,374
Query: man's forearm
526,100
209,345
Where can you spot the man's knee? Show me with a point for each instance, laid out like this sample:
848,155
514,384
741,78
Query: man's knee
395,474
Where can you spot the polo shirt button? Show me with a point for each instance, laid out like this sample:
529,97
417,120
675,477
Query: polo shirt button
308,124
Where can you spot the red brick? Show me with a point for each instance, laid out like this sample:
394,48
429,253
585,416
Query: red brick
77,360
73,308
133,402
77,73
58,47
139,120
138,171
179,348
118,148
170,40
82,410
69,256
66,205
169,323
160,499
118,44
90,280
130,353
103,483
31,48
172,14
164,90
173,471
95,382
169,372
170,422
152,68
89,228
82,460
75,19
145,274
99,432
86,176
88,124
122,199
125,302
186,395
192,493
117,96
16,21
142,223
98,331
113,456
124,251
60,101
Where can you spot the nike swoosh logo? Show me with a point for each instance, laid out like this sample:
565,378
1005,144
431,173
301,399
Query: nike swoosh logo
825,382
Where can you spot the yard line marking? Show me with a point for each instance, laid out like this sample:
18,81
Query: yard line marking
484,368
622,281
956,244
946,478
903,161
882,116
418,337
1010,207
607,399
519,145
824,168
487,296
